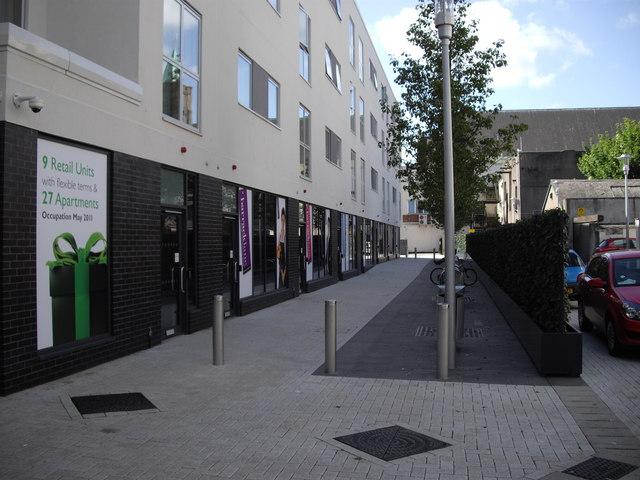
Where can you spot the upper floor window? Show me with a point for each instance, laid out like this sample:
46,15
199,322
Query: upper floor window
394,195
332,68
352,107
374,126
181,62
363,169
304,117
353,175
304,36
361,113
257,90
373,74
360,60
333,146
337,6
352,43
11,11
275,4
374,179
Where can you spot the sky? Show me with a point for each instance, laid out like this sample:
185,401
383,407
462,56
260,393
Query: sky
560,53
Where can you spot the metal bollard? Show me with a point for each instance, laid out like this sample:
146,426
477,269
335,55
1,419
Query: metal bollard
218,330
459,320
415,251
330,314
443,341
434,253
452,338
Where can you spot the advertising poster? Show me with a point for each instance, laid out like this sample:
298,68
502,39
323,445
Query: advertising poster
281,242
244,234
308,219
327,236
71,244
344,247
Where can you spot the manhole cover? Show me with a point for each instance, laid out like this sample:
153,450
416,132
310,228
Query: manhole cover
427,331
597,468
117,402
391,443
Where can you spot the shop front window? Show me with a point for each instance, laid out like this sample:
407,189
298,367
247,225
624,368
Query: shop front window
269,243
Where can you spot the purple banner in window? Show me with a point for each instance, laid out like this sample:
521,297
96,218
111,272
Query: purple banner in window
244,230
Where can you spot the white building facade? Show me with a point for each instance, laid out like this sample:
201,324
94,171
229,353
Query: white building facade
157,153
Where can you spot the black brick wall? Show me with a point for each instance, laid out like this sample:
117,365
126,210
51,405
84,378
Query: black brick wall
210,262
134,246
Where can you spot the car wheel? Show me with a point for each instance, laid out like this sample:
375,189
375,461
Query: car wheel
583,322
613,344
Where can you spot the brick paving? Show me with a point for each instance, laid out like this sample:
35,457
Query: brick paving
264,415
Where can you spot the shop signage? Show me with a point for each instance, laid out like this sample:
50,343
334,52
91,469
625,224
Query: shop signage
281,242
307,224
71,244
244,230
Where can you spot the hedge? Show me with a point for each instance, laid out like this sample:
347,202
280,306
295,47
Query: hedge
526,259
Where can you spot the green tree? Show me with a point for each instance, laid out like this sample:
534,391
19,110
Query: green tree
601,158
416,123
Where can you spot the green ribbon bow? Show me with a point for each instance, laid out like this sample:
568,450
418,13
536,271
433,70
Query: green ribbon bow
80,258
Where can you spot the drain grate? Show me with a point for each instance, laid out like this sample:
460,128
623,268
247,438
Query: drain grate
117,402
428,331
391,443
597,468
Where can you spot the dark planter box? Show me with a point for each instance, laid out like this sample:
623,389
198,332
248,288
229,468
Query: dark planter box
349,274
551,353
258,302
317,284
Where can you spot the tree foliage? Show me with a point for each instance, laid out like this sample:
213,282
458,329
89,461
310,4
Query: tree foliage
416,123
601,159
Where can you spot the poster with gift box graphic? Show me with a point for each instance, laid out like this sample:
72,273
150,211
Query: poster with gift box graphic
71,244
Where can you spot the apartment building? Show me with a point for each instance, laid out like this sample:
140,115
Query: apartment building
155,153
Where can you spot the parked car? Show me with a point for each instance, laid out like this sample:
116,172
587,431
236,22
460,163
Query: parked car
609,298
614,243
573,268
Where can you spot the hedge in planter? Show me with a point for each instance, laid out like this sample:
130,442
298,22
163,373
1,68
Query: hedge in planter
526,260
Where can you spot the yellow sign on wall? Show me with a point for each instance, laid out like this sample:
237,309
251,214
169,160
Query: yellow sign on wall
581,212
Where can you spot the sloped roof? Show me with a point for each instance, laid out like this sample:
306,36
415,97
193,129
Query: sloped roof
565,189
556,130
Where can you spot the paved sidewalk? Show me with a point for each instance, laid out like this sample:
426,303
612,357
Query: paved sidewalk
263,415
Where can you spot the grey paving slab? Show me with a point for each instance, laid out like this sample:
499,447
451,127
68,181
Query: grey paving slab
263,414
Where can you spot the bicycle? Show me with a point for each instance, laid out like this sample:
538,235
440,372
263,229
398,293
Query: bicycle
468,275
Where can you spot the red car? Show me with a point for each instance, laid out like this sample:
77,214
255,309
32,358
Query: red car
611,244
609,298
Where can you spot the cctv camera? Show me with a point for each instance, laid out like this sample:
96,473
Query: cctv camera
36,104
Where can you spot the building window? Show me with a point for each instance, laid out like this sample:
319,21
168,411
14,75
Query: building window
361,112
394,195
273,97
374,126
333,144
374,179
304,34
257,90
384,196
337,7
11,11
181,63
353,176
275,4
265,234
321,242
352,107
360,60
362,175
383,148
411,207
332,68
352,43
304,117
373,74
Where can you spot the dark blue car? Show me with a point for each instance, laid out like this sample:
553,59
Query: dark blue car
572,269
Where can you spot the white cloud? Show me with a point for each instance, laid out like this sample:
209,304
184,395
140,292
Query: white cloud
630,20
536,53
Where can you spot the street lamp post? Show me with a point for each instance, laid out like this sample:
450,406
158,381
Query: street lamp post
444,24
624,160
